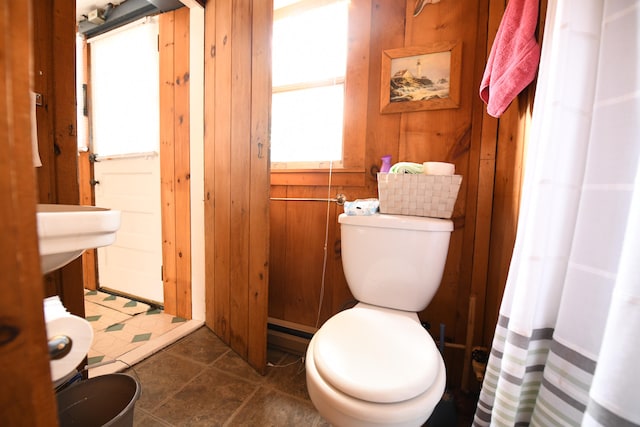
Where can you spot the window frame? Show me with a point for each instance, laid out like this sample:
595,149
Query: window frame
351,171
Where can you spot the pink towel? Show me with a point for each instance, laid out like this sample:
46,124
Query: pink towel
515,54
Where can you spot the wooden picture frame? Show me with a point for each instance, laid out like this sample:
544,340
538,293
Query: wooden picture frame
421,78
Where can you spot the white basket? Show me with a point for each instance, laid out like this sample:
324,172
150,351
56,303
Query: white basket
418,194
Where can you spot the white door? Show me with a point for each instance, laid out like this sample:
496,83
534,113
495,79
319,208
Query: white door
125,139
132,265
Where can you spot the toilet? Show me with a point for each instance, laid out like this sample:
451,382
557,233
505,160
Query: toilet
375,364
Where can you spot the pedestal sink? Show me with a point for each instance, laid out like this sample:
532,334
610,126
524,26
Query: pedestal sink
65,231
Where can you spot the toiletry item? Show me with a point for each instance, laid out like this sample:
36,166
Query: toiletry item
406,167
438,168
386,163
361,207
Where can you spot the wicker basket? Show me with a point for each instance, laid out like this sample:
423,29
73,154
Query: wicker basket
418,194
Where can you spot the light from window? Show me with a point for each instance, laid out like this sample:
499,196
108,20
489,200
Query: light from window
309,64
125,95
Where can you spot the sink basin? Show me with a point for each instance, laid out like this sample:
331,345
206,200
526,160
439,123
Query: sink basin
65,231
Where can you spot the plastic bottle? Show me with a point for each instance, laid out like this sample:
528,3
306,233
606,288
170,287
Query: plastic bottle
386,163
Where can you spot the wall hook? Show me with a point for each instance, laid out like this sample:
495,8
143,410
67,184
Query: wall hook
420,4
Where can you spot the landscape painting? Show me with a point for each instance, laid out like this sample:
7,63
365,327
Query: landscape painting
420,78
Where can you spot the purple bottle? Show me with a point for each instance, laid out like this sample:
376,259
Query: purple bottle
386,163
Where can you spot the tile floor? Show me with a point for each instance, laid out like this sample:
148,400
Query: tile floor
199,381
127,330
189,377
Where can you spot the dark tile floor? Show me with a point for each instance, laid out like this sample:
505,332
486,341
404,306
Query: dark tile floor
199,381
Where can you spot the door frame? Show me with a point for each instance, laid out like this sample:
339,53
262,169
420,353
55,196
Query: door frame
175,168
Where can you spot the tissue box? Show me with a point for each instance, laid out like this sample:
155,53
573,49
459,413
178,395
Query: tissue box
418,194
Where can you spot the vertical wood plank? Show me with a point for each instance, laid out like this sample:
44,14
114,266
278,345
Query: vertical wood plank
356,88
209,160
480,189
182,169
86,175
277,252
26,397
262,19
42,58
89,260
66,144
222,167
167,160
239,172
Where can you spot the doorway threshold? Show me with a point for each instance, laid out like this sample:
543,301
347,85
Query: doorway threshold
145,350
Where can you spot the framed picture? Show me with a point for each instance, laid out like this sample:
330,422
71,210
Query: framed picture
421,78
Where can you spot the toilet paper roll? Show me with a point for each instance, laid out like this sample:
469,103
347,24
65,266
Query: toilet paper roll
438,168
81,334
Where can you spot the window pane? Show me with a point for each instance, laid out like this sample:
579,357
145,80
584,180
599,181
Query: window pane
310,46
306,125
125,95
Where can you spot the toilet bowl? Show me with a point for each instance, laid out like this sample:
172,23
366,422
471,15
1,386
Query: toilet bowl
375,364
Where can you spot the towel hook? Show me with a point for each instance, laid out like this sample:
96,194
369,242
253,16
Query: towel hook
420,4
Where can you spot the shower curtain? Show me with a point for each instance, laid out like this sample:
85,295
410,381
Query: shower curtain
566,348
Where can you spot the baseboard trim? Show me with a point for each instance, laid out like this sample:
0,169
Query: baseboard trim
288,336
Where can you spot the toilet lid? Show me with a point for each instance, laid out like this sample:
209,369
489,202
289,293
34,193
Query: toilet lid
377,355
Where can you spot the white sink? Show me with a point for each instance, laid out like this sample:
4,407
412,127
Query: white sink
65,231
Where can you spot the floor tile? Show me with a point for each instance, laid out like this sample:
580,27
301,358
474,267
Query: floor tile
289,376
119,303
271,408
232,363
200,381
201,346
209,400
161,376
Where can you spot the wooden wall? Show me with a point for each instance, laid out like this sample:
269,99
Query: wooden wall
237,106
175,174
26,396
487,152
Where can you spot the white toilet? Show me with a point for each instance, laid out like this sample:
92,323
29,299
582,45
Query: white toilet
375,364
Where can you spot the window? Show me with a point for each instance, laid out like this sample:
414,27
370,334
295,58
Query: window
309,68
124,89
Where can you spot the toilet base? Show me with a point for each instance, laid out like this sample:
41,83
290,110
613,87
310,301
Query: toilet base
342,410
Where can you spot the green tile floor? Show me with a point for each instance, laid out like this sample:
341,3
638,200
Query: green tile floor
121,324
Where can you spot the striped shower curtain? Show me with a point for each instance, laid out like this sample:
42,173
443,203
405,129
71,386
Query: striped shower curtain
566,350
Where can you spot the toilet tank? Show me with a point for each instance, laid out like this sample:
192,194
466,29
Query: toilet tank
394,261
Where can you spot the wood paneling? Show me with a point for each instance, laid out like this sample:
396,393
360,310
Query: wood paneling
174,161
237,105
26,396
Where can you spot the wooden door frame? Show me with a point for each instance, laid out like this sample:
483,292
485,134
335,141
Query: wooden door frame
174,160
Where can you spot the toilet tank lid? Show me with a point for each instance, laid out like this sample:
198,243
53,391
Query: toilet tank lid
406,222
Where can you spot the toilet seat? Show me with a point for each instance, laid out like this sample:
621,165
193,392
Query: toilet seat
406,362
